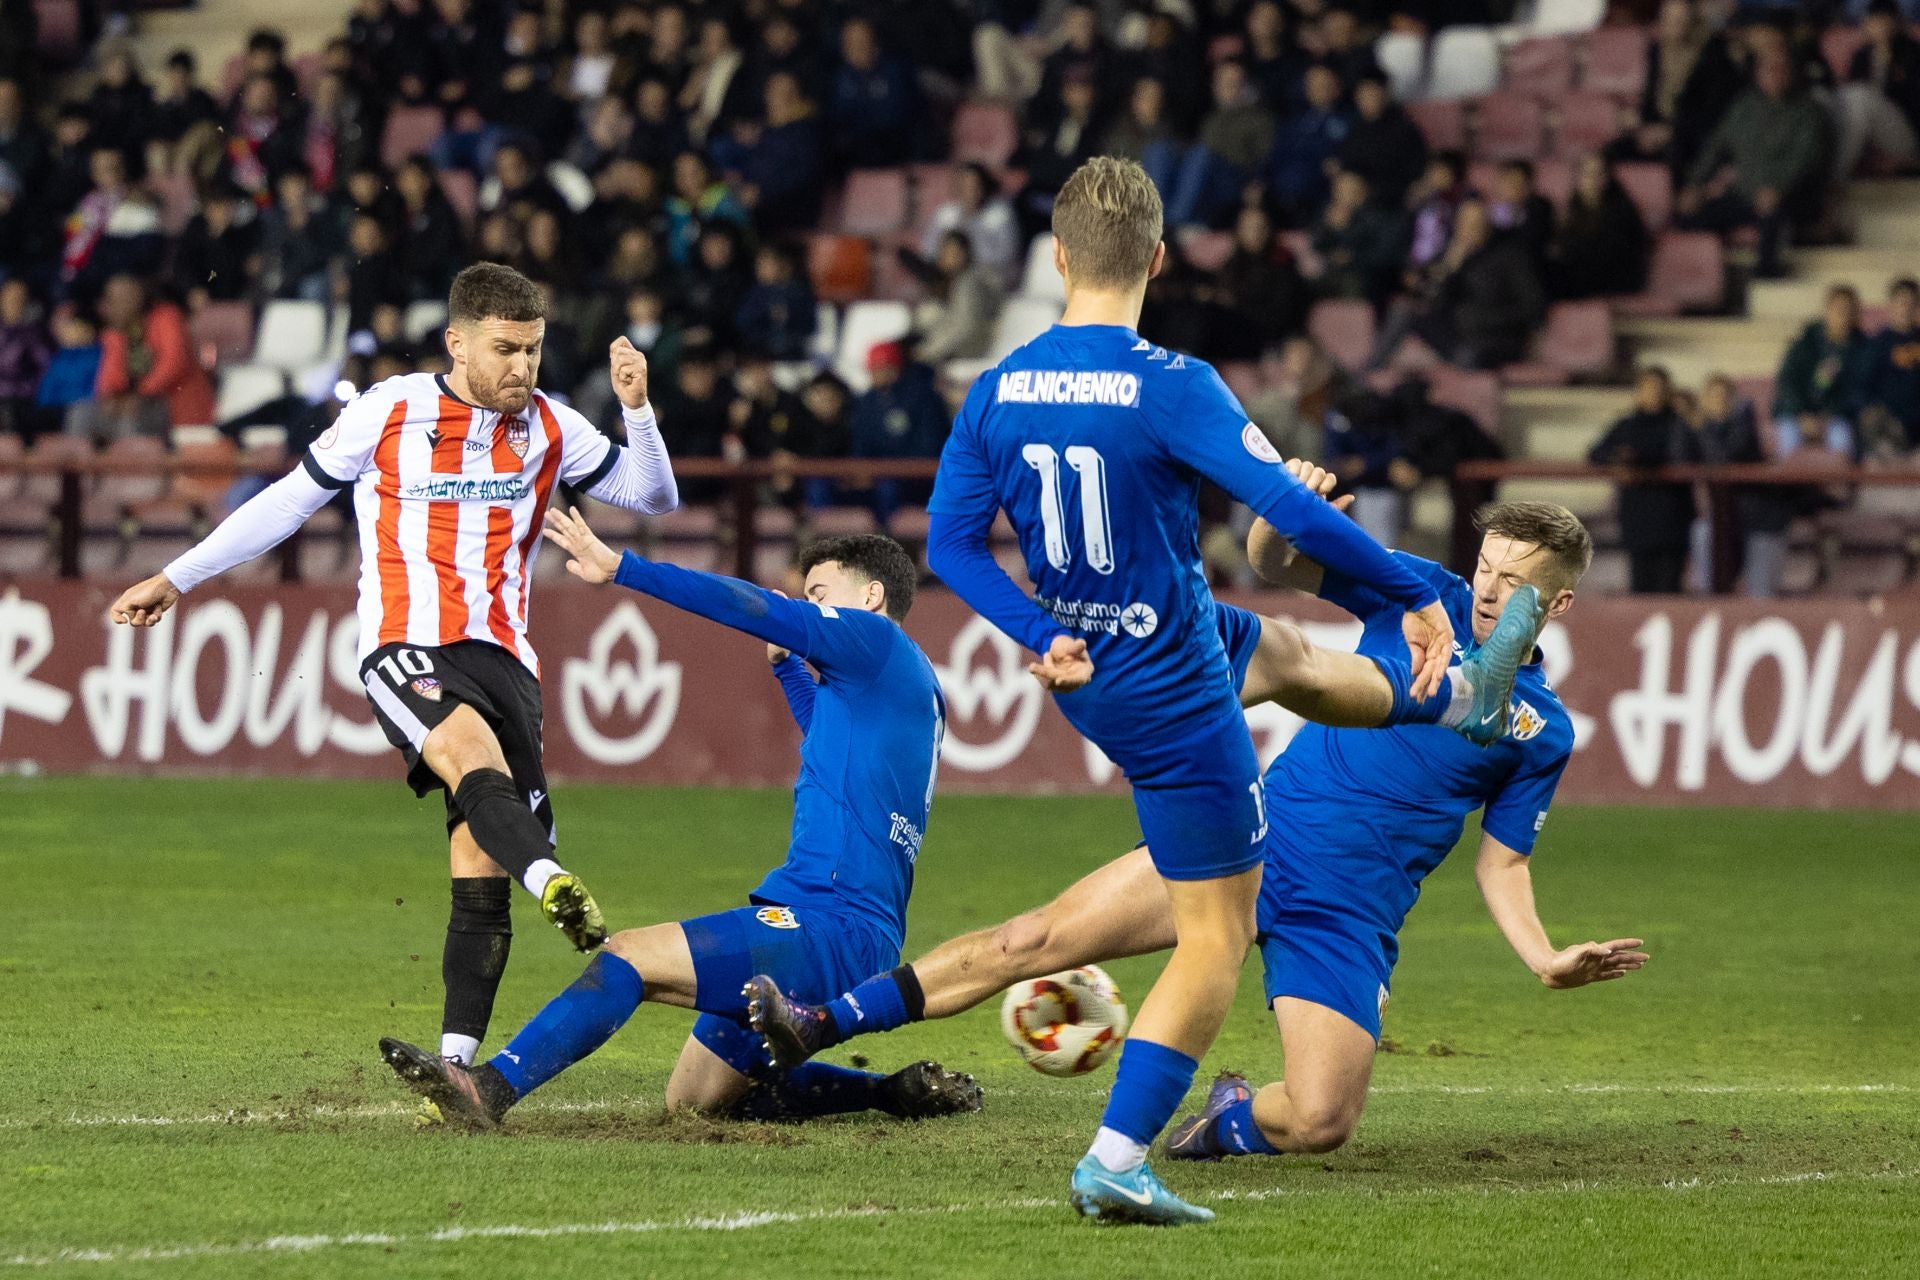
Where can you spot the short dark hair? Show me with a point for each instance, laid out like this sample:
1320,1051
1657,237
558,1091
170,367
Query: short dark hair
1546,525
494,291
872,556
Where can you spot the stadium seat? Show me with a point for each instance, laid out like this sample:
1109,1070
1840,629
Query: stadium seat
59,39
932,187
1588,121
1473,392
826,334
875,202
1553,178
462,192
1300,244
1650,184
865,324
1509,126
1207,250
12,450
1021,321
1244,379
1687,274
1466,63
1575,342
1541,66
1838,45
1616,61
1443,121
1403,56
138,476
245,387
233,72
1039,279
177,199
307,68
1344,329
986,132
1567,16
193,500
409,132
423,319
224,329
293,334
841,267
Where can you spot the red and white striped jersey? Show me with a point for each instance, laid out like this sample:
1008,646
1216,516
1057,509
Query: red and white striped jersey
449,498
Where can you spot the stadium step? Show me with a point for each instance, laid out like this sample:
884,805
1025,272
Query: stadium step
1866,268
1560,423
1695,348
1882,213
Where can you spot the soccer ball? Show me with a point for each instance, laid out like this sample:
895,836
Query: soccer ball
1065,1024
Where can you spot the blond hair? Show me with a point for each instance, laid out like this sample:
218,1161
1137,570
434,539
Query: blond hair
1546,525
1107,218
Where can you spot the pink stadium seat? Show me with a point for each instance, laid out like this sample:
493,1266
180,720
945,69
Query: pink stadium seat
142,481
1616,61
841,267
933,186
1577,341
178,200
984,131
232,72
1588,122
1650,185
1443,121
307,68
42,488
875,202
1553,178
1244,379
191,499
59,39
1344,329
1687,274
1838,45
462,191
409,131
1473,392
1208,250
225,329
1510,127
1541,67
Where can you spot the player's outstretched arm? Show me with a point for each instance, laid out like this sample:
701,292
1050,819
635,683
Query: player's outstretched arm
1506,882
259,525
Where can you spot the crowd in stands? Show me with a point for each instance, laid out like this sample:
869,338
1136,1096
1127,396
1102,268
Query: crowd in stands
664,169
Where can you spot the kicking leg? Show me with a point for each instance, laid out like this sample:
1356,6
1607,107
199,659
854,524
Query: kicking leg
465,753
1328,1063
1118,910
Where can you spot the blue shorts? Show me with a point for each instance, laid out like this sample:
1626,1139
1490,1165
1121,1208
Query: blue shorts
1201,808
814,955
1316,944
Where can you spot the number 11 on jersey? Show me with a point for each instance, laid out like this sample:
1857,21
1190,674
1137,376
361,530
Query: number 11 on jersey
1096,525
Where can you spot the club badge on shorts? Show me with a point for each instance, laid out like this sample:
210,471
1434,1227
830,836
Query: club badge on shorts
518,435
428,688
1527,722
777,917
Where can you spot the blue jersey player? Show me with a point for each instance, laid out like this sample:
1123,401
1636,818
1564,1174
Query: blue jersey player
1094,441
829,915
1358,820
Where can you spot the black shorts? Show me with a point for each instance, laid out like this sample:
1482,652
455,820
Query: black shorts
414,687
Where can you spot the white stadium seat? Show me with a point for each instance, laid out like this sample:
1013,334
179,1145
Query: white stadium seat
424,320
1040,279
826,334
1021,321
1466,63
292,336
1566,17
1403,56
244,387
866,324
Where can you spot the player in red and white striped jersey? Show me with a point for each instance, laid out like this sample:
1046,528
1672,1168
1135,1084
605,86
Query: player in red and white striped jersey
451,478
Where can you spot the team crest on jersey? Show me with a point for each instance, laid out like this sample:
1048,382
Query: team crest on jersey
1527,723
1257,444
518,436
777,917
428,688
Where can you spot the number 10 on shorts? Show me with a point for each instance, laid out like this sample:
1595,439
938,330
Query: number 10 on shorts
403,664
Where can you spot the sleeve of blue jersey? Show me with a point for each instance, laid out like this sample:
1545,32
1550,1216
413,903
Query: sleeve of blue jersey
1515,816
796,682
1363,601
1240,634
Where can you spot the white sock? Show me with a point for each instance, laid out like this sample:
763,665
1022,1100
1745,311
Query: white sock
539,871
462,1049
1456,712
1118,1152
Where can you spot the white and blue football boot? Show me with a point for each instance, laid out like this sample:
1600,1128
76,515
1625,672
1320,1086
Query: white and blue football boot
1133,1196
1491,667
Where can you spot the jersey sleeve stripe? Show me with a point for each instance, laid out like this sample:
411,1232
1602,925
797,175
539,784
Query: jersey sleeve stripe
599,473
391,562
319,473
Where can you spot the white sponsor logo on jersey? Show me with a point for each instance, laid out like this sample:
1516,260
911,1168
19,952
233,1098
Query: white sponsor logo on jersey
1068,386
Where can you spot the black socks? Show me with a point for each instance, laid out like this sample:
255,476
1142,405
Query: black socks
479,935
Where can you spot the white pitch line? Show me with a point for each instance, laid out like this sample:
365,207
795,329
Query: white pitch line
311,1243
391,1110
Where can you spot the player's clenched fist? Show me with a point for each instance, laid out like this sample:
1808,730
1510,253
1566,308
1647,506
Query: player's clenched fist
144,603
628,366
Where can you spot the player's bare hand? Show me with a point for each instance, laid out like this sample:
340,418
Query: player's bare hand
1589,962
144,603
591,559
1430,643
1320,480
627,365
1064,667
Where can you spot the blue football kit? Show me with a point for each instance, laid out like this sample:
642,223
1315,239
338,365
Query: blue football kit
835,910
1094,442
1360,816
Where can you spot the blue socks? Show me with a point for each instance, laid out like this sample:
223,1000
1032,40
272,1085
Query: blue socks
1235,1133
811,1089
1147,1089
1406,709
574,1024
881,1003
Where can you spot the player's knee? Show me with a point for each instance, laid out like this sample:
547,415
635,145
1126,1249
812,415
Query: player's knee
631,945
1324,1125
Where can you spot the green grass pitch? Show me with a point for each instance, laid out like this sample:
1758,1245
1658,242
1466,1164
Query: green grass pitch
193,975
